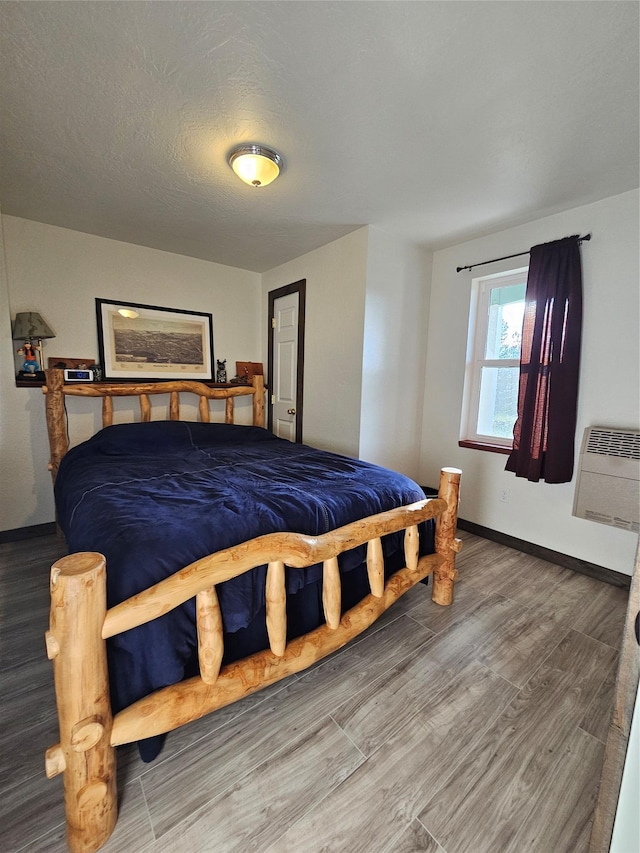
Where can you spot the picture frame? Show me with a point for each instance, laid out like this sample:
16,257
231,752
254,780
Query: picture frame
246,370
152,343
70,363
249,368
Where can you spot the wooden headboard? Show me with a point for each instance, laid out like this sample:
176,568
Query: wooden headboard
56,390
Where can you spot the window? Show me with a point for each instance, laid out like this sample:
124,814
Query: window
493,360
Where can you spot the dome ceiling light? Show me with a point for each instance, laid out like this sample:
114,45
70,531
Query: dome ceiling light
256,165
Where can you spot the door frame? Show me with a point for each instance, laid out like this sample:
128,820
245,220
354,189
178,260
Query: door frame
299,287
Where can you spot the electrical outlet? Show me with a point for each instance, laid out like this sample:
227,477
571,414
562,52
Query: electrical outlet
505,495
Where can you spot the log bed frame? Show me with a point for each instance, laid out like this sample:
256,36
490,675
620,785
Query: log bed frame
80,622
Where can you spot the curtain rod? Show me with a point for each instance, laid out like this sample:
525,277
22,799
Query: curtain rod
506,257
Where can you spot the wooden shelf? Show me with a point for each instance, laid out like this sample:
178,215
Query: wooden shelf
38,382
34,382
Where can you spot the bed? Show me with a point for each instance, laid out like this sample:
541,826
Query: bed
231,559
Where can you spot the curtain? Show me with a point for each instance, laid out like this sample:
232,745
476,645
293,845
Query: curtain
544,432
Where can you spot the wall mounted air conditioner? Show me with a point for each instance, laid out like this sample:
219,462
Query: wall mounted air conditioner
607,490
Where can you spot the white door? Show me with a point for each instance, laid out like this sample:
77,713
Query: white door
285,365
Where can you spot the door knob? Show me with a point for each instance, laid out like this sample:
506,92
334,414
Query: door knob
291,411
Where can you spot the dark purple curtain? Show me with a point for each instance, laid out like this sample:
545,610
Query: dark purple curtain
544,432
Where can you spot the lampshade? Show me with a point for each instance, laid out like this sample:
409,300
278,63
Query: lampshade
256,165
30,325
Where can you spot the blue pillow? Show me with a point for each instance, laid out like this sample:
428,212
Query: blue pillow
172,436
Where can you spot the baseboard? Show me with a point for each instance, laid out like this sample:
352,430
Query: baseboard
19,533
582,566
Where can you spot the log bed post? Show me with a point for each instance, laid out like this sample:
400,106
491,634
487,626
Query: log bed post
446,543
84,755
258,399
56,425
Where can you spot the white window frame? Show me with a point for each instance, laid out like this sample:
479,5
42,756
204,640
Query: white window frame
481,290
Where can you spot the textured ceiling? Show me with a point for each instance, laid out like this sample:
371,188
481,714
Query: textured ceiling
436,121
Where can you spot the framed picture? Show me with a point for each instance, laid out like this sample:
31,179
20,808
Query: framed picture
151,343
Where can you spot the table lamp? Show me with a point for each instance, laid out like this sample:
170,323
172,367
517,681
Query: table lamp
29,326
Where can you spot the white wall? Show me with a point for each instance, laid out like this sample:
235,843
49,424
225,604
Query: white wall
366,320
394,353
14,500
336,279
609,386
59,272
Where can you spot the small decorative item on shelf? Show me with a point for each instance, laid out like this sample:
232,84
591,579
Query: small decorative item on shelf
245,371
221,372
29,326
243,379
31,364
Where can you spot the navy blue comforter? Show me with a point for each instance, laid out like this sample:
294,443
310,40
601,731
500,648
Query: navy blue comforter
154,497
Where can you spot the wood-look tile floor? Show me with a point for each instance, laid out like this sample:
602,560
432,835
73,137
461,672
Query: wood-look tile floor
477,727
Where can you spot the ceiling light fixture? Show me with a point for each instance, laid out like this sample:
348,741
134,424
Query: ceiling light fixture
256,165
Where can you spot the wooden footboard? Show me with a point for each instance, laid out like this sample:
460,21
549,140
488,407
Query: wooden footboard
80,623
